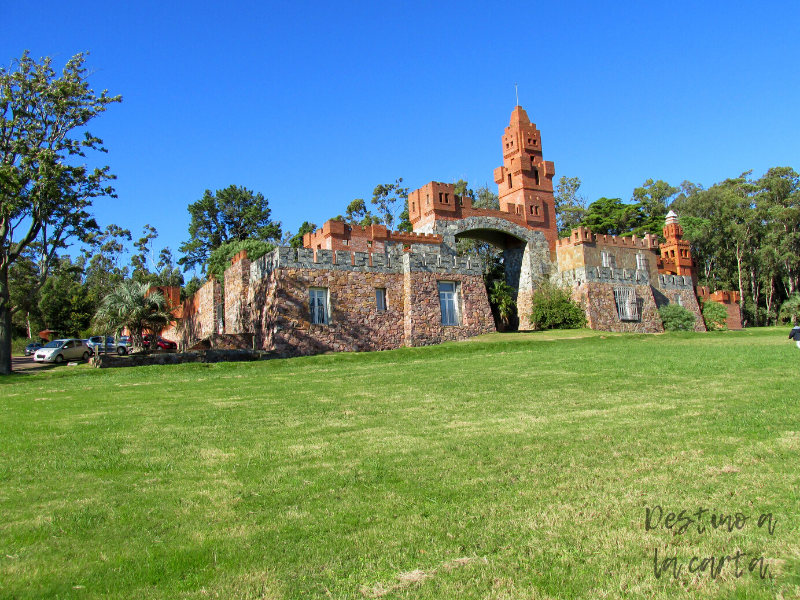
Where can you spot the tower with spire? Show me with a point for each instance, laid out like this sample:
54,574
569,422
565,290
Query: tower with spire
525,180
676,254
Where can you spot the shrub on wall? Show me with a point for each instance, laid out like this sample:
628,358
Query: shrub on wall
677,318
553,308
715,315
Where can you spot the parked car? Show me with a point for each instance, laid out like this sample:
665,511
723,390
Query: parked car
162,343
95,344
58,351
31,349
123,344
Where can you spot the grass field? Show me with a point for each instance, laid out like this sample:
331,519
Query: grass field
510,466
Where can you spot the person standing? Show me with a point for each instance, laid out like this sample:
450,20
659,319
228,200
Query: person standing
794,334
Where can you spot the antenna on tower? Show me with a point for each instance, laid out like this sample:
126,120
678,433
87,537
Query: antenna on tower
516,90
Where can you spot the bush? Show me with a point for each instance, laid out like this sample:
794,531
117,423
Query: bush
501,297
790,310
677,318
553,308
715,315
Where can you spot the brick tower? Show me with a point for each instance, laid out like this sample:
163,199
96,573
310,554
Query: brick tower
525,181
676,254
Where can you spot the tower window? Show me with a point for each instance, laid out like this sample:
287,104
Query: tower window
536,175
440,197
536,210
510,185
413,206
447,198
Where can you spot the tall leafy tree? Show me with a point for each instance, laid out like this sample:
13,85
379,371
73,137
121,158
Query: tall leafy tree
569,204
652,199
611,216
296,241
63,303
391,199
151,267
228,215
45,188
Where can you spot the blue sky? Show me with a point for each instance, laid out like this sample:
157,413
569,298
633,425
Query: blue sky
315,103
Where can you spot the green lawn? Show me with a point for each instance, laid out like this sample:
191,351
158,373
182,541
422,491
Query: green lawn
510,466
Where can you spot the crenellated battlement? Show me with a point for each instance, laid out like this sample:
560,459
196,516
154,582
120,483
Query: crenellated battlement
338,235
394,260
584,235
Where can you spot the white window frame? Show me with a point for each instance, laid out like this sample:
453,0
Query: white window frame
641,263
449,303
627,303
318,305
380,299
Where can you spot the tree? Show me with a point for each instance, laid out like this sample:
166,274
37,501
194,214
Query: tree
611,217
45,191
229,215
501,298
63,304
164,271
389,199
652,199
130,305
569,205
357,214
103,268
296,241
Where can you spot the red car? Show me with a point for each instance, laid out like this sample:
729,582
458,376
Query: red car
162,343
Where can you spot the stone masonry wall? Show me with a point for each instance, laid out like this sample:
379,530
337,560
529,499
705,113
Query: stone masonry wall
199,313
598,301
278,299
237,281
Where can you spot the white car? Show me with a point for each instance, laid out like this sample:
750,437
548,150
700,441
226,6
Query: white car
58,351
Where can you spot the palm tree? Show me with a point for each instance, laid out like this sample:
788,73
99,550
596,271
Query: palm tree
129,305
501,296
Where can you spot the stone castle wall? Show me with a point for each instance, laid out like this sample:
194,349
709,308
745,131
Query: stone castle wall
280,316
237,282
199,314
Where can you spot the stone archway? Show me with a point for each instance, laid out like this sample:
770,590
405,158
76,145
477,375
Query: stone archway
526,253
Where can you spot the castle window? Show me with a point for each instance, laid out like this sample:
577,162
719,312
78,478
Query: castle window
510,185
369,243
380,299
428,198
536,175
448,300
318,304
536,210
529,141
531,209
440,197
413,207
345,242
608,260
447,198
641,264
678,300
627,303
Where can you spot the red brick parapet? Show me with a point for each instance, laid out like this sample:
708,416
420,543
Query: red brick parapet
338,235
584,235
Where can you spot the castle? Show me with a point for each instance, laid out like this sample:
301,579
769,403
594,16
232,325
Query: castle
354,288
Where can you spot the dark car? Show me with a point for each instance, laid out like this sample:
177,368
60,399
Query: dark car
31,349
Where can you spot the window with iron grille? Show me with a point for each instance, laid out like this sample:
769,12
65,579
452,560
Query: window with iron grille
627,305
318,301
